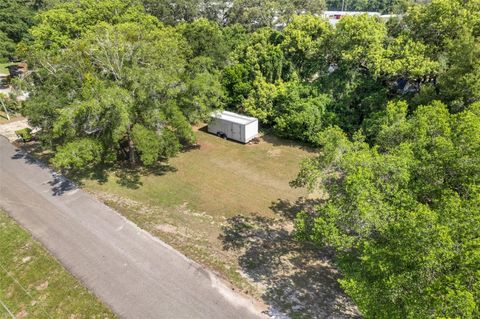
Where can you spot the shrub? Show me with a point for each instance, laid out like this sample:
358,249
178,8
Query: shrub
25,134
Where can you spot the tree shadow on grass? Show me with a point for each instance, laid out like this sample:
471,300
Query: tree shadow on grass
271,138
299,278
34,153
131,177
125,176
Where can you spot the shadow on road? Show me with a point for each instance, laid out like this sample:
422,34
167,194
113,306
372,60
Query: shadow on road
59,184
33,153
298,279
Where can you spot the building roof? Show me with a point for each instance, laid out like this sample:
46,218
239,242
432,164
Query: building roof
233,117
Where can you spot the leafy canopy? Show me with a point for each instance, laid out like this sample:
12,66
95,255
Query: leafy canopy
403,215
122,82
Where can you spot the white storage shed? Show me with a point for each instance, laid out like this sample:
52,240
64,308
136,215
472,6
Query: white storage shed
234,126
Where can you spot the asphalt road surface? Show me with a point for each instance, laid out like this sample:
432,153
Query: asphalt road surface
135,274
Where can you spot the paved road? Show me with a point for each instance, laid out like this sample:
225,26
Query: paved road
137,275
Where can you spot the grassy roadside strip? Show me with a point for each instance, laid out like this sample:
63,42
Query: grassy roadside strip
34,285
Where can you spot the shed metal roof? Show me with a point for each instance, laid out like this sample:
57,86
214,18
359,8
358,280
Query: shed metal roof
233,117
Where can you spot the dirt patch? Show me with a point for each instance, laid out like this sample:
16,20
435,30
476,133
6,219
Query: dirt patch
170,229
8,129
42,286
297,280
135,206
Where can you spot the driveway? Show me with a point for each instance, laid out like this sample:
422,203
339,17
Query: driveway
137,275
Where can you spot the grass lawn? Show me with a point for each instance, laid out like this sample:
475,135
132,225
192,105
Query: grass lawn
220,178
229,206
34,285
190,199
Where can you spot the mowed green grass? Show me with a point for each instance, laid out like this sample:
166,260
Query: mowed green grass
221,178
34,285
188,205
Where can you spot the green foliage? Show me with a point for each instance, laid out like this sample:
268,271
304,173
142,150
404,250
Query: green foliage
459,83
7,48
265,13
357,64
147,143
203,91
249,13
301,113
79,154
261,54
237,80
206,39
15,19
25,134
58,27
382,6
173,12
123,83
359,41
438,23
306,44
450,31
403,215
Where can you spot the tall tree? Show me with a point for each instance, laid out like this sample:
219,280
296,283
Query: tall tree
307,44
450,30
57,27
7,48
16,17
112,92
403,216
173,12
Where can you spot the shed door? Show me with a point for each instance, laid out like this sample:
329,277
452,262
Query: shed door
236,132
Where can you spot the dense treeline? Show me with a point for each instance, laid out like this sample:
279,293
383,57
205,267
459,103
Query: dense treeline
394,106
402,209
310,75
17,16
382,6
403,215
252,14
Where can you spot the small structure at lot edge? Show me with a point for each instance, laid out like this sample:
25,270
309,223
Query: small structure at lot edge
234,126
